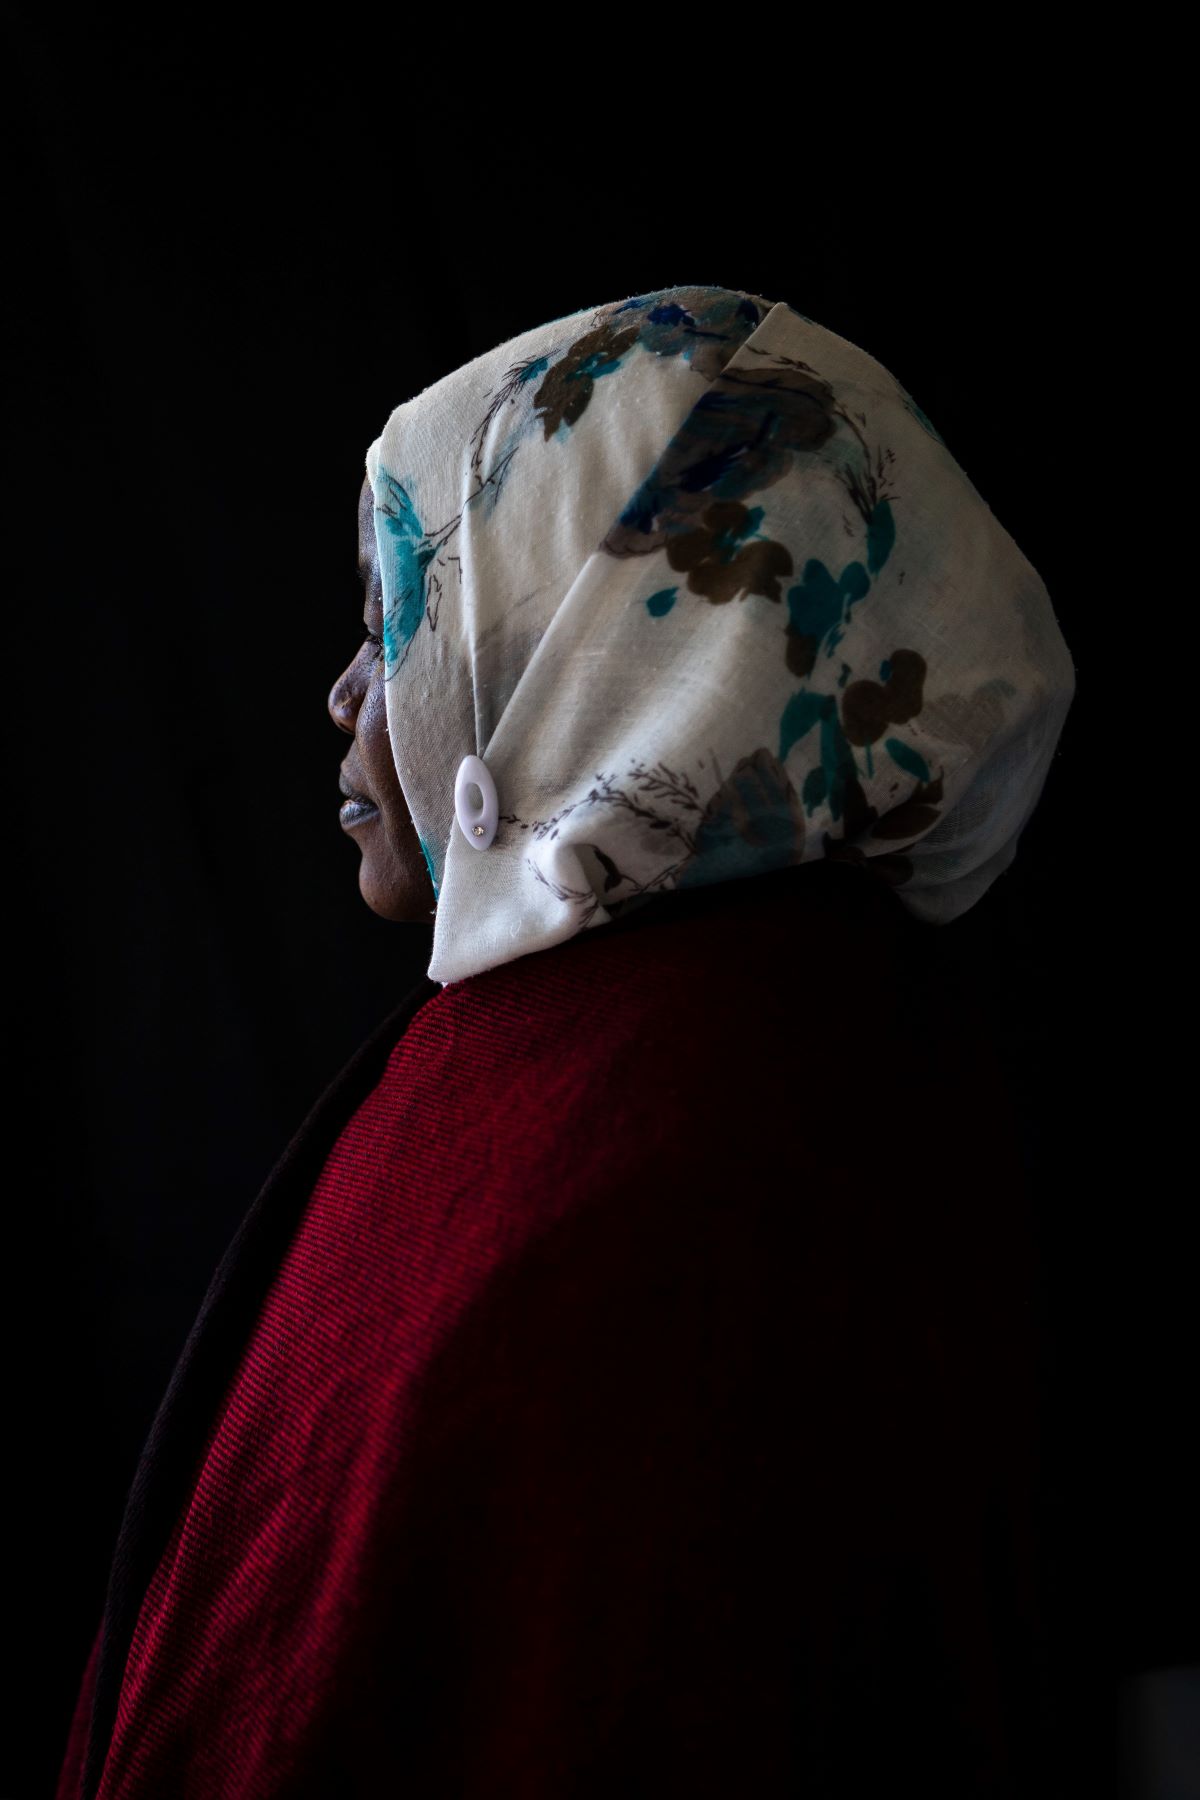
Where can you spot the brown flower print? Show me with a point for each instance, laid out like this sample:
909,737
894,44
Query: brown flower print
563,396
918,814
718,571
860,820
869,707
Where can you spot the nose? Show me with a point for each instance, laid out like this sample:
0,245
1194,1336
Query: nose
345,698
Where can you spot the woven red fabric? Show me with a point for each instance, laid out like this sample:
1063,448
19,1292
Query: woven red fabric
645,1405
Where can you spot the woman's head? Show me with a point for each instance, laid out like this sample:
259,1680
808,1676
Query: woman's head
392,878
708,595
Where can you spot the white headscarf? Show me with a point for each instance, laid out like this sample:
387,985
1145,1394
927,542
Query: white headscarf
707,594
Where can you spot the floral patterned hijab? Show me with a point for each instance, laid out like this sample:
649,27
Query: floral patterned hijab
705,593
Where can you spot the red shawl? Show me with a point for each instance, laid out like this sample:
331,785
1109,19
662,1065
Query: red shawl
624,1385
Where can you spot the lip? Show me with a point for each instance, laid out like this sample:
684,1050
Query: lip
356,809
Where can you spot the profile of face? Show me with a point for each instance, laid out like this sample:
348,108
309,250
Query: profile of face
392,877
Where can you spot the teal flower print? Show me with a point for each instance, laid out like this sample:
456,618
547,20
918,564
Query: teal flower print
408,554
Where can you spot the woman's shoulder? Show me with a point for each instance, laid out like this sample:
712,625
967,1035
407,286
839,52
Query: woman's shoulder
785,959
673,1025
714,1036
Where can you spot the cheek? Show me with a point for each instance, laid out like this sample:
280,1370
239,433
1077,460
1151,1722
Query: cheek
373,744
375,748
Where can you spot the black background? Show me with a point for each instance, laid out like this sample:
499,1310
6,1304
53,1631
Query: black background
226,270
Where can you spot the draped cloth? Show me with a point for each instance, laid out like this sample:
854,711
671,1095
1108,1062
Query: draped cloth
707,592
627,1384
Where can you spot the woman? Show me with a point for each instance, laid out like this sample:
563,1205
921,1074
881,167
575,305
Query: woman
625,1383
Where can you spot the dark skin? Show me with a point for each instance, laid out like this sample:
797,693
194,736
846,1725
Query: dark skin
392,875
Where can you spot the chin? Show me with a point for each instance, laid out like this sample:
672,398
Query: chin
395,901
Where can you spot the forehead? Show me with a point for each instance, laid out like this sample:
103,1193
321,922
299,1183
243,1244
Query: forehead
367,550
